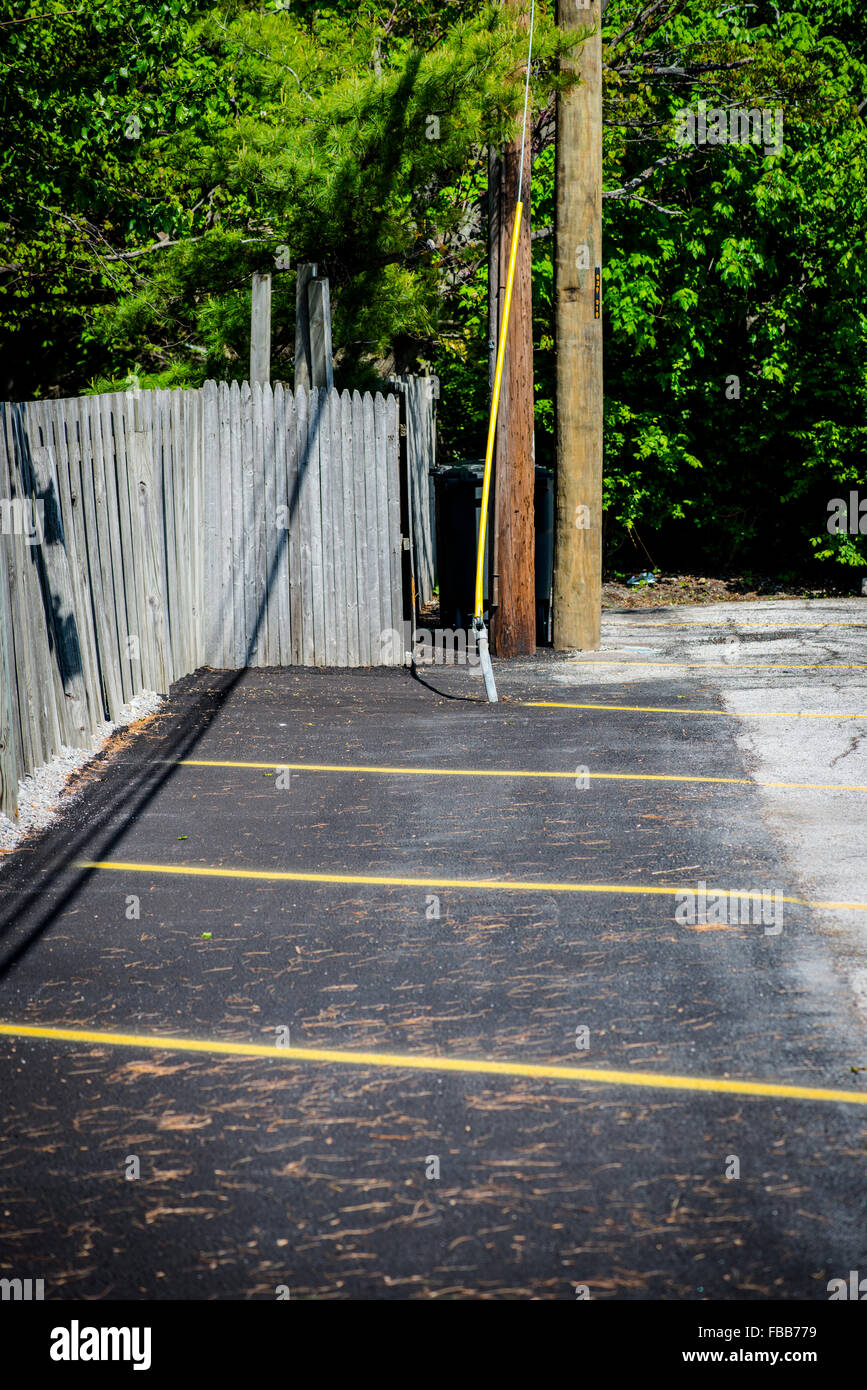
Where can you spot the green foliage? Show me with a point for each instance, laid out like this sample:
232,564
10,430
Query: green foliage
760,275
157,154
332,133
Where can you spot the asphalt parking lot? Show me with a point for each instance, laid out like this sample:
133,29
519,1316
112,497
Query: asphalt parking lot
350,984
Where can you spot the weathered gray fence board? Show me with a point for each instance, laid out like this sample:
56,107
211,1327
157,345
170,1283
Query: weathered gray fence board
335,523
114,436
72,709
269,531
281,527
30,723
293,539
8,759
7,588
314,495
329,558
101,426
81,473
245,567
137,444
231,503
359,488
390,539
110,644
152,551
350,598
180,599
39,693
260,629
11,751
303,400
166,477
193,407
42,616
382,551
374,612
116,424
158,511
210,550
182,655
41,488
216,415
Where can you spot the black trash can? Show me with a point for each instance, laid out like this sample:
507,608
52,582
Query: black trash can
458,493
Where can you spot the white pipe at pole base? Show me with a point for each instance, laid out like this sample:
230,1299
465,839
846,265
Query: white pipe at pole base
485,662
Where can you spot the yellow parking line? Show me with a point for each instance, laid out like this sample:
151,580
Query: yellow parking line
627,626
718,665
419,1062
405,881
675,709
275,764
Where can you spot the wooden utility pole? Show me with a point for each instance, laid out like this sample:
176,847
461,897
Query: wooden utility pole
496,293
513,623
578,340
260,330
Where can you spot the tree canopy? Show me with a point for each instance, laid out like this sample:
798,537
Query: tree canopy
155,155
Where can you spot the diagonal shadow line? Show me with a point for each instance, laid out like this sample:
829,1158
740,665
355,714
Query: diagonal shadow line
311,444
24,919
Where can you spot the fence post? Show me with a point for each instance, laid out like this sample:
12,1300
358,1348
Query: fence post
321,359
306,272
260,330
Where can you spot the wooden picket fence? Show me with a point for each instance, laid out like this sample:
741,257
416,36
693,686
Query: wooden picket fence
147,534
302,558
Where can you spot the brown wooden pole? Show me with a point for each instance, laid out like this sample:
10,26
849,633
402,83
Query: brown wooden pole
513,625
496,292
578,341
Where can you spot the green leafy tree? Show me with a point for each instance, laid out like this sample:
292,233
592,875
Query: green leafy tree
156,155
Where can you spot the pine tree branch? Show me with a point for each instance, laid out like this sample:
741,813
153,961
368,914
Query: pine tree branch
641,20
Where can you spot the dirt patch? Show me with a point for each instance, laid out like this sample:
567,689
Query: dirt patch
118,742
688,588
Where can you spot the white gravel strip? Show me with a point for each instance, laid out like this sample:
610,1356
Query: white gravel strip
40,796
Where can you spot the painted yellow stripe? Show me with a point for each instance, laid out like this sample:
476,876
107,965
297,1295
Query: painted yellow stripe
718,665
675,709
419,1062
275,764
402,881
621,626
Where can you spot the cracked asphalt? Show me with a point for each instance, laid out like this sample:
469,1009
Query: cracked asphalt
368,1179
